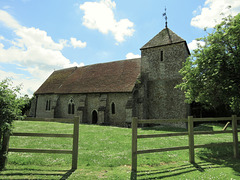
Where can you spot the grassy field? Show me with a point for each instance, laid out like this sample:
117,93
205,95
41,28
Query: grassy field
105,153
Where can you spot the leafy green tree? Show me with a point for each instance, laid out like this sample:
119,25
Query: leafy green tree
211,75
25,104
10,110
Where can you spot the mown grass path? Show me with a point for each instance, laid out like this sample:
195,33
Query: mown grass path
105,153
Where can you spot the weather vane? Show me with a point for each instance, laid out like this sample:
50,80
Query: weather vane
165,14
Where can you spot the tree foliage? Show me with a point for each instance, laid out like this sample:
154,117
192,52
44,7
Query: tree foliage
25,104
11,109
10,104
211,75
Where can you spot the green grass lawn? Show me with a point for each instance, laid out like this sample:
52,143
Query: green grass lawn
105,153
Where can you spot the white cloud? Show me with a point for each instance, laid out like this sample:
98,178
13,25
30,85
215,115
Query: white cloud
33,51
81,64
213,12
28,85
100,16
78,43
34,48
8,20
35,37
132,56
64,42
195,44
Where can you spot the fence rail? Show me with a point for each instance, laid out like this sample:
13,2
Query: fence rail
75,137
191,146
59,151
64,120
43,135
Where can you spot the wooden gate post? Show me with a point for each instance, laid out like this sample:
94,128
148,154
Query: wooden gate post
75,143
134,144
4,149
191,139
235,136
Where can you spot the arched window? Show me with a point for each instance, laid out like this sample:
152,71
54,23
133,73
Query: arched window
113,108
71,107
94,117
48,105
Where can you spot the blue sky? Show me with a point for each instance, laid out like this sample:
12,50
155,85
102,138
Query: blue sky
40,36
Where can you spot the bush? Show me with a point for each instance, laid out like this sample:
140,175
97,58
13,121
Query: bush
11,104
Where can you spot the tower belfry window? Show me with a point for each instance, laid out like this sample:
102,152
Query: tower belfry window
161,56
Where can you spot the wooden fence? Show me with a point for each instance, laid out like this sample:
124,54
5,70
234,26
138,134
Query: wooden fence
75,137
191,146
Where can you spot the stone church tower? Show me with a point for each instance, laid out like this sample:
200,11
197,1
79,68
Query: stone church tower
161,59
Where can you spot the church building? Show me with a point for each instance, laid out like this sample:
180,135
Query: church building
114,92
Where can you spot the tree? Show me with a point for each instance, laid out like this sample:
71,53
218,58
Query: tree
25,104
211,75
10,110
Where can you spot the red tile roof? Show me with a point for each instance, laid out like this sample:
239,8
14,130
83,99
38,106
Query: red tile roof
118,76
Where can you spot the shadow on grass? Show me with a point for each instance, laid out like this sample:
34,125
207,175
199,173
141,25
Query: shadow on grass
24,173
171,171
212,157
67,174
164,128
222,156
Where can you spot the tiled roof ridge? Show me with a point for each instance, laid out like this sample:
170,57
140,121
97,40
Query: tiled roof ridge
110,62
68,68
96,64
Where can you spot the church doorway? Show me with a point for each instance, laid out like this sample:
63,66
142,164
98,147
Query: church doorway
94,117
